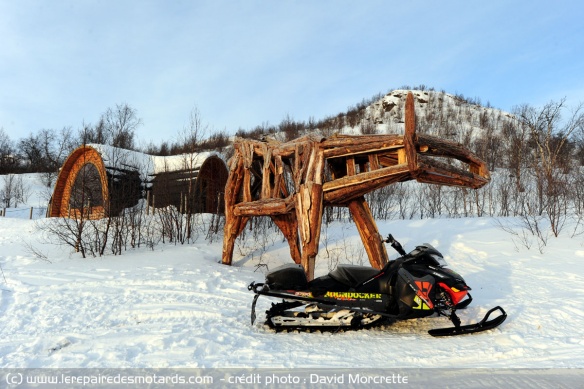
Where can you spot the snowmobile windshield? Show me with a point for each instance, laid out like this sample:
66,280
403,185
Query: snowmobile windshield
439,261
428,252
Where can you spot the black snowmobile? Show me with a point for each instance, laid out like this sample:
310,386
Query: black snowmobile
417,284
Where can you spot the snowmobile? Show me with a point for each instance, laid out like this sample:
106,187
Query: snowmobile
417,284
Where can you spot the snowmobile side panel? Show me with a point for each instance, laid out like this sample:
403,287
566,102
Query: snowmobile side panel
415,294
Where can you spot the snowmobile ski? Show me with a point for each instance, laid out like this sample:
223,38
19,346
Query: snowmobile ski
484,325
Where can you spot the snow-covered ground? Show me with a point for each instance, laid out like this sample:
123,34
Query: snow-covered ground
177,306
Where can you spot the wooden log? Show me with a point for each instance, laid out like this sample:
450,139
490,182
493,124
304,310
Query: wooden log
312,203
319,164
341,196
266,176
231,228
401,156
265,207
288,224
434,171
288,149
342,141
410,138
373,162
298,149
390,159
306,160
234,227
361,146
246,151
283,188
308,173
351,171
368,231
284,150
278,180
442,147
246,184
438,177
233,224
309,202
349,181
302,207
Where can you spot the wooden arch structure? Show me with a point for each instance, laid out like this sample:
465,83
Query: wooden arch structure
79,159
291,182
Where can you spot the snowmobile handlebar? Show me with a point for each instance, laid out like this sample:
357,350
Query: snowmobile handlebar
395,244
256,287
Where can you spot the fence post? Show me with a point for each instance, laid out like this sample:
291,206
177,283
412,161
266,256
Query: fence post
30,216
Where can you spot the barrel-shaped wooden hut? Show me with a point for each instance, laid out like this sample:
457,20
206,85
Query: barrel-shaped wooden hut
102,180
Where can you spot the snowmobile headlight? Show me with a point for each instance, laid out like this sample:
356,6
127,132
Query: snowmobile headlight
439,260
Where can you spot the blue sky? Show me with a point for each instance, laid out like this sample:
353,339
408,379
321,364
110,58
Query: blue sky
244,63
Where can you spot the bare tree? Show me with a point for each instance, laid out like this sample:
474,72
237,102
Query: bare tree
56,147
192,138
32,152
116,127
7,193
552,165
46,151
290,128
8,160
488,146
550,133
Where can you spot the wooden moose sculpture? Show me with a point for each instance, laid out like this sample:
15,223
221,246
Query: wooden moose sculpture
289,182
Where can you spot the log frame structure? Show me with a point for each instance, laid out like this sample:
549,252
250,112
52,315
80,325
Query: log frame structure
291,182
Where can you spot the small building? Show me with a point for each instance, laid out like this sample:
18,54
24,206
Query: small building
101,181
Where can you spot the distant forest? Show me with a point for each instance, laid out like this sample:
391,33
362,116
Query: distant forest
525,138
535,155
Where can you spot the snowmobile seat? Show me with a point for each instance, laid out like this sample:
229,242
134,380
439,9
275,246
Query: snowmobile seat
321,285
352,275
285,277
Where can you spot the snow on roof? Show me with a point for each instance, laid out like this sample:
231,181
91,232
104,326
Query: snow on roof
117,158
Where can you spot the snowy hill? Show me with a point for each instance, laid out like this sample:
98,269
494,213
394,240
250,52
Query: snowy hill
437,113
177,306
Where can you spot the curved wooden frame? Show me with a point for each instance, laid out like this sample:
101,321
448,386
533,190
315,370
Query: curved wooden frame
67,175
